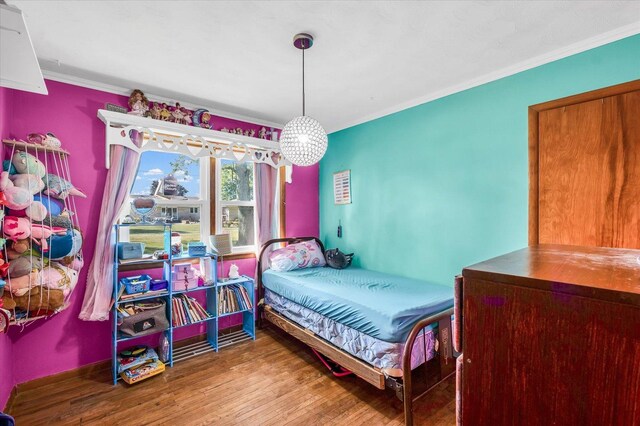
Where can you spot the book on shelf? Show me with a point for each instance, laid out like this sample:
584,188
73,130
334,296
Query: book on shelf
233,298
187,310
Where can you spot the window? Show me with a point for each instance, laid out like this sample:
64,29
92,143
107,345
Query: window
235,204
199,198
176,183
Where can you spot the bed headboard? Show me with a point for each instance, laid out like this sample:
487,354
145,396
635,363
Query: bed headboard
263,249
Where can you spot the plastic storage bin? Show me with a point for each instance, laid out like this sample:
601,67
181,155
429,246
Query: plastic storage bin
130,250
197,249
137,284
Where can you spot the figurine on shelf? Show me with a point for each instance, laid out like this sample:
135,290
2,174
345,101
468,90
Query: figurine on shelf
205,121
165,114
138,103
224,129
177,115
262,134
238,131
187,117
155,111
252,133
233,271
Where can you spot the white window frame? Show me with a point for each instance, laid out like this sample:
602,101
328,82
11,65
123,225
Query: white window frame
219,204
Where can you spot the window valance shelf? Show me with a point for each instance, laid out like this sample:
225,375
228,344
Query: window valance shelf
195,142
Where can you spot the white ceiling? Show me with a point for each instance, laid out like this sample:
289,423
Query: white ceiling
369,59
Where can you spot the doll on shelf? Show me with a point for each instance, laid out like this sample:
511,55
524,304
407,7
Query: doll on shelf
138,103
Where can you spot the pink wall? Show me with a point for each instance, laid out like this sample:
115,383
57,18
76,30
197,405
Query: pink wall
6,345
64,342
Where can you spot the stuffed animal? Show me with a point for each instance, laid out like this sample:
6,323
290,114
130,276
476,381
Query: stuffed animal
36,211
337,259
18,248
31,183
60,188
55,207
64,244
27,163
37,301
75,262
20,286
55,221
20,267
7,166
51,141
58,277
14,197
16,228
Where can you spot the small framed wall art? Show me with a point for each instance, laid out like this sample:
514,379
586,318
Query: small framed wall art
342,187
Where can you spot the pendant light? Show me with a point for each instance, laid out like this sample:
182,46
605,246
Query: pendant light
303,141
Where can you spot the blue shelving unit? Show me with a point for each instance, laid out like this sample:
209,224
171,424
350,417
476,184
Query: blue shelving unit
214,340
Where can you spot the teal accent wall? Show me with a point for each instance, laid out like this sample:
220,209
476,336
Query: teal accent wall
444,184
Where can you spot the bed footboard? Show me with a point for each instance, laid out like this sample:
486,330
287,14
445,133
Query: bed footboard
446,359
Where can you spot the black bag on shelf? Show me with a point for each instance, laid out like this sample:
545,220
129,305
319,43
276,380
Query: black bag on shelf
149,317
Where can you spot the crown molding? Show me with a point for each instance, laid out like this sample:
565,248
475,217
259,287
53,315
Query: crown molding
572,49
126,91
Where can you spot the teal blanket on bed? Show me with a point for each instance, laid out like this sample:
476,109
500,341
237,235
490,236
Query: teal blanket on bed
381,305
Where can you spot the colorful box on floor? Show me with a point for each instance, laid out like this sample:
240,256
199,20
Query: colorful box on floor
143,372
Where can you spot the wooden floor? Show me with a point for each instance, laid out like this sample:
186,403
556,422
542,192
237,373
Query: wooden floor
273,381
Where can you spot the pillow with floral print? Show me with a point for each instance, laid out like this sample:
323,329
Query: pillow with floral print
306,254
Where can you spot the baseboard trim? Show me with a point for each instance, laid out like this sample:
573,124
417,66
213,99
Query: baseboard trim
96,368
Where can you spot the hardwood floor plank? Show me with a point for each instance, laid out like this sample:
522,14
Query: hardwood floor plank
274,380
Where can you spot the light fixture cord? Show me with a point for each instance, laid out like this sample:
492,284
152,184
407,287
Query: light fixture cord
303,81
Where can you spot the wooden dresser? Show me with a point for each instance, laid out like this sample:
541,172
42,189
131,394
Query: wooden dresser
551,336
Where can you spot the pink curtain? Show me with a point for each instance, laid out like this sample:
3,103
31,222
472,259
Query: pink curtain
120,179
266,191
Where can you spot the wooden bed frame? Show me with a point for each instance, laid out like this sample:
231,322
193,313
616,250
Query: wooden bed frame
399,380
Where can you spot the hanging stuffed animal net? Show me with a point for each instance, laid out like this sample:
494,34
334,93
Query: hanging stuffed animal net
41,255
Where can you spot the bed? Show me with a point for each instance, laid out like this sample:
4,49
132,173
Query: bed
381,327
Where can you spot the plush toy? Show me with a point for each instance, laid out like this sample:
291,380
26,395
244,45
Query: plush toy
36,211
27,163
52,141
55,221
20,286
31,183
55,207
20,267
64,244
18,248
16,228
75,262
58,277
7,166
14,197
59,188
37,301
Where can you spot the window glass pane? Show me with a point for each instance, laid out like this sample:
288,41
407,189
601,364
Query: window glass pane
236,181
151,236
166,175
238,221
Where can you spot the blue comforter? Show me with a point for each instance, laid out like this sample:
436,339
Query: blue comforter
381,305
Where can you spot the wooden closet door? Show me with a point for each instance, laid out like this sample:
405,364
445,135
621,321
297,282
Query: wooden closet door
589,173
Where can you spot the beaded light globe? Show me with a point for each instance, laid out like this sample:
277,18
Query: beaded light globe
303,141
